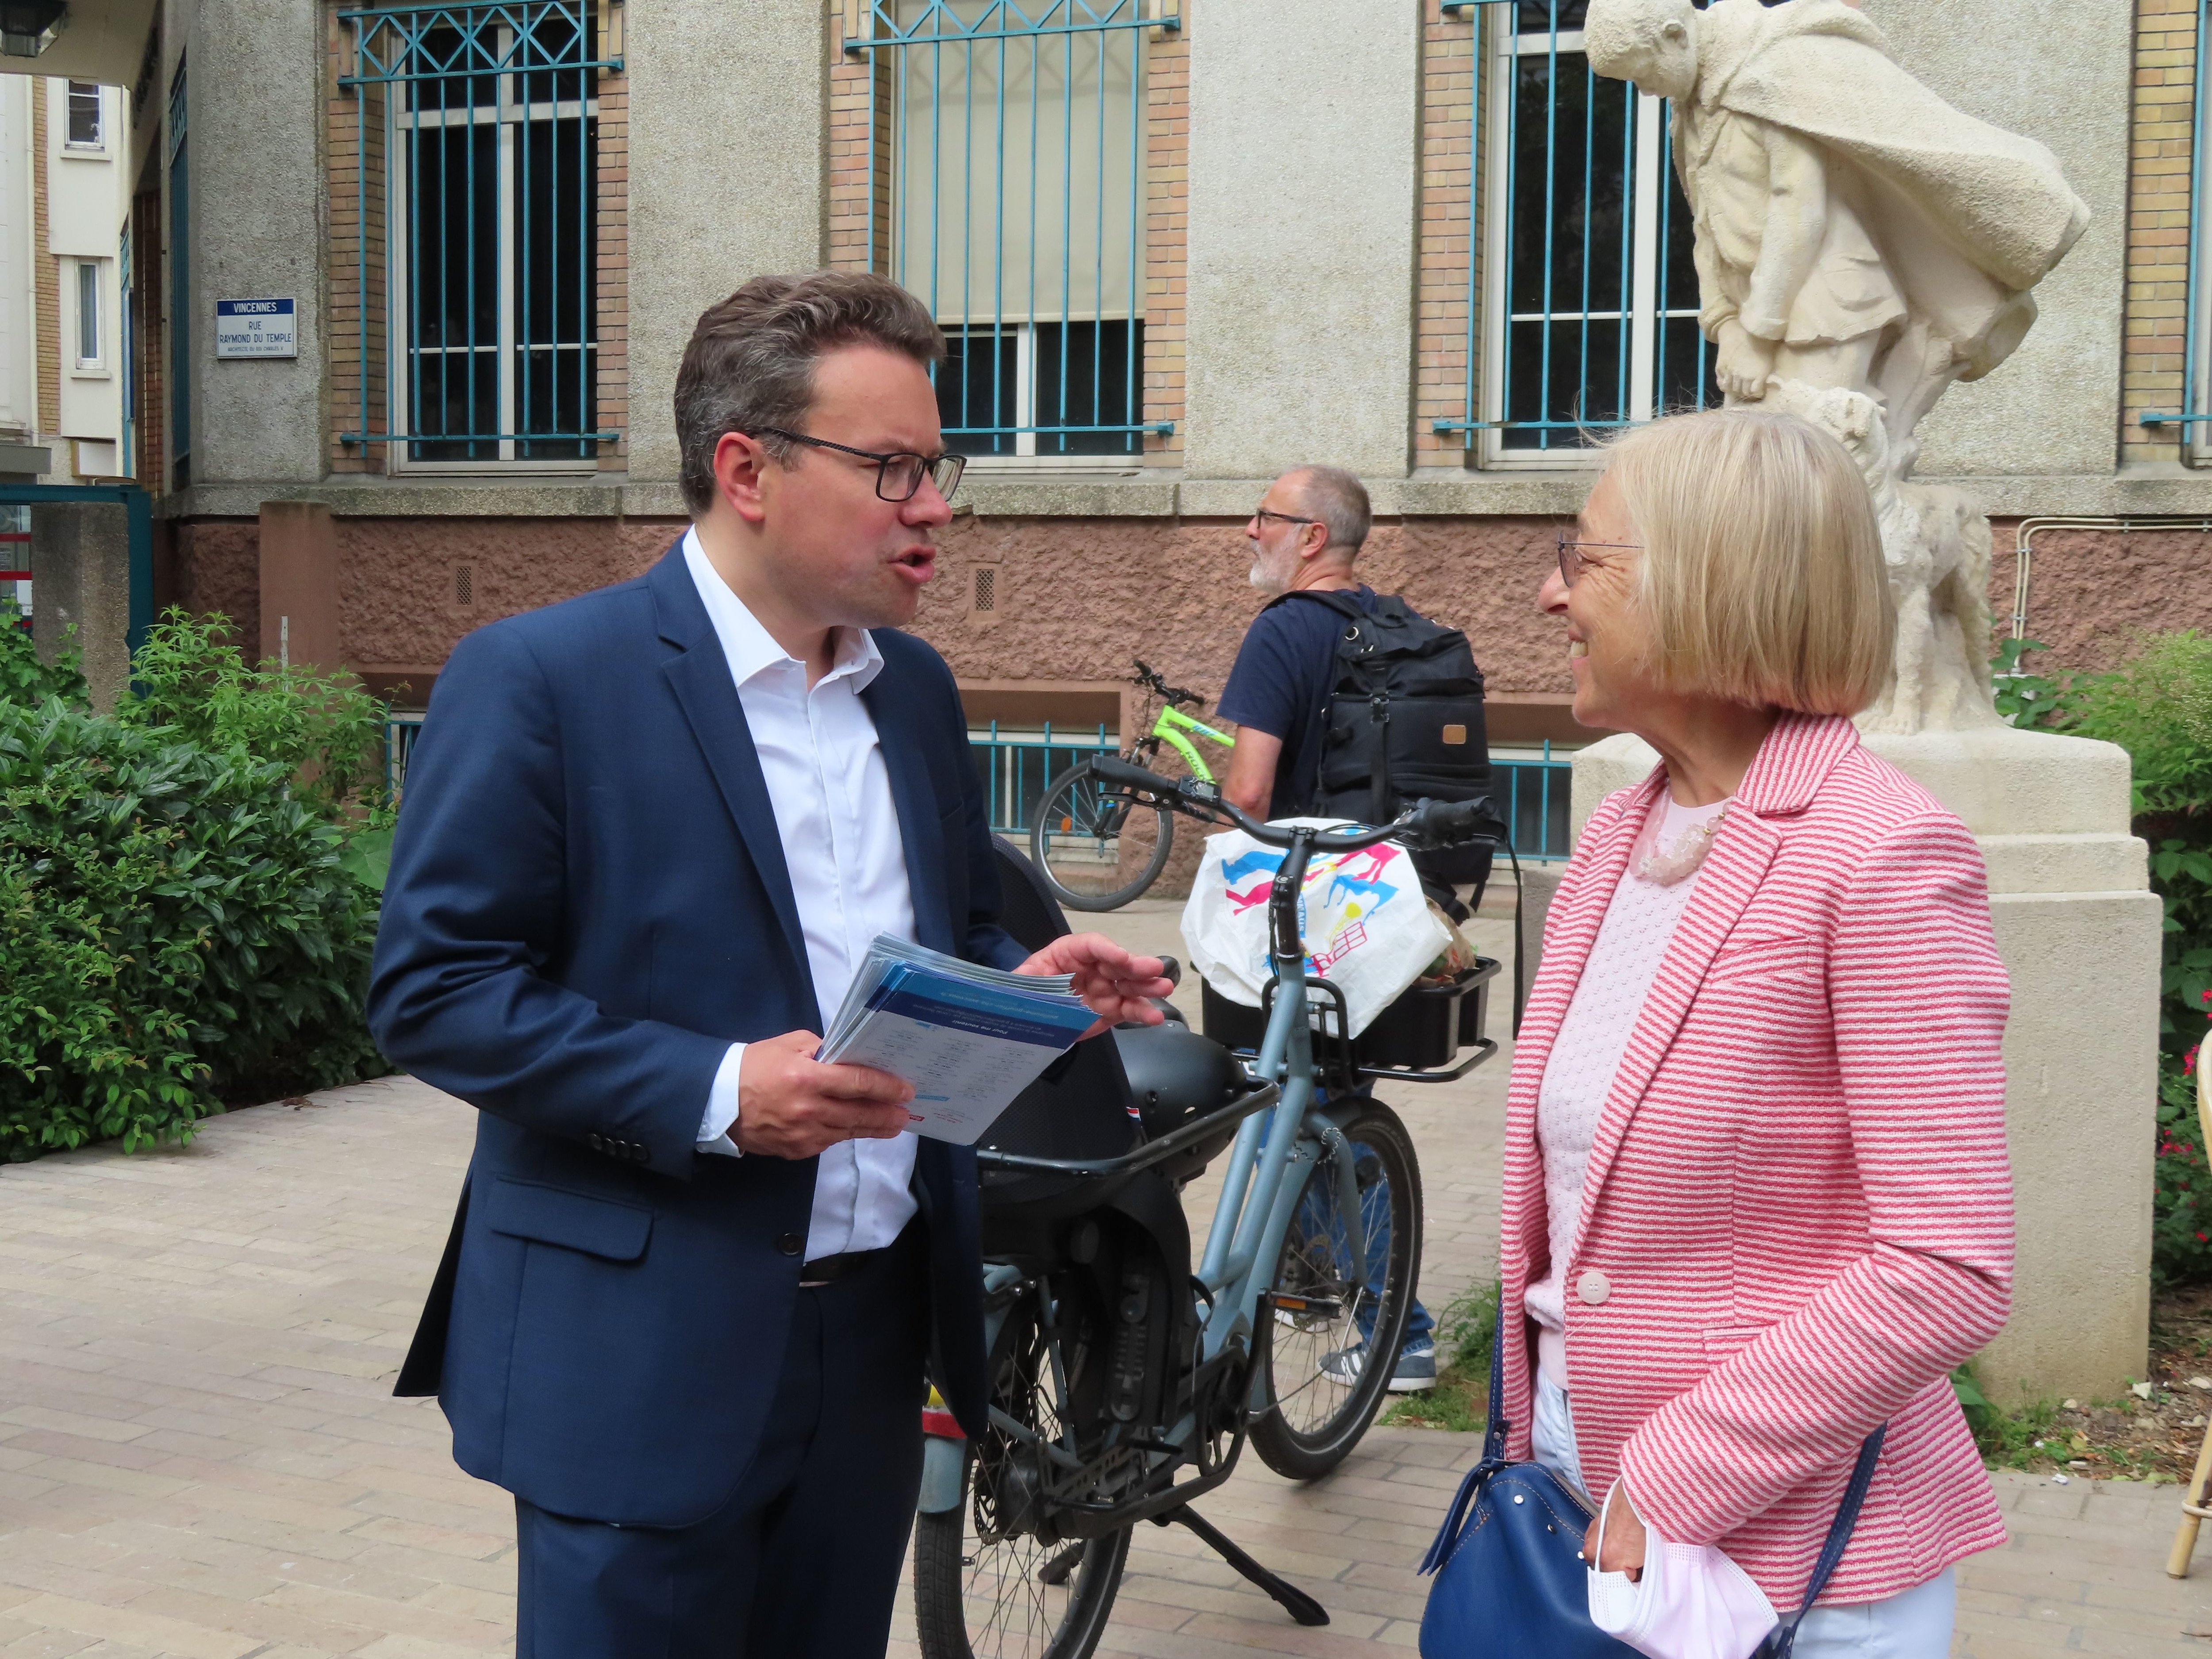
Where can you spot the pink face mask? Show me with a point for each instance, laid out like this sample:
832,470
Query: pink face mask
1691,1602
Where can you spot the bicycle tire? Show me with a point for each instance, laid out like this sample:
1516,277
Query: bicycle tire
1079,811
964,1587
1313,1422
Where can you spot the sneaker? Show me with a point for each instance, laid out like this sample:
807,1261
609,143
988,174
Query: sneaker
1416,1371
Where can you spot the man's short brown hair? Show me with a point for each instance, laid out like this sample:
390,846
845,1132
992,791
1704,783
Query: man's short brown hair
750,362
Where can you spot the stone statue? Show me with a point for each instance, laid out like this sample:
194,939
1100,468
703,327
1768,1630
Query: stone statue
1861,245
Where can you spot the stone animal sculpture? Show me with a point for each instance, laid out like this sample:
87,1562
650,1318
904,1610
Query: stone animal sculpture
1861,245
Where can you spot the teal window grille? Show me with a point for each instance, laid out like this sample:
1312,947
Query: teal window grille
1008,172
1583,305
476,138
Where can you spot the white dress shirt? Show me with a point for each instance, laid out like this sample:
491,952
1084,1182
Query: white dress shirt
834,814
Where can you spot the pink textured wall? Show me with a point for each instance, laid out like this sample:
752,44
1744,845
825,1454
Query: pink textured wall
1078,598
2092,592
217,566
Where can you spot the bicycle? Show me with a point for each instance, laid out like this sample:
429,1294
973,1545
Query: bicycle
1076,838
1123,1384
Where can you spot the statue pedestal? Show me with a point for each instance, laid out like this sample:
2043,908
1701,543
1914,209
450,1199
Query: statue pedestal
2079,930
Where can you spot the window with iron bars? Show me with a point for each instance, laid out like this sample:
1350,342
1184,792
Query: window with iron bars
1007,175
1583,305
475,219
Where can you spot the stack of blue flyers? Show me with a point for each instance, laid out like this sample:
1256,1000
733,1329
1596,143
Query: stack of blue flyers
969,1038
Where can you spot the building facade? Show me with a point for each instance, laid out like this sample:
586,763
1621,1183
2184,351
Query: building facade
1176,245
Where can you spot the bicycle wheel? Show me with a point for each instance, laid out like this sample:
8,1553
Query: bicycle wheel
1333,1339
1086,833
990,1583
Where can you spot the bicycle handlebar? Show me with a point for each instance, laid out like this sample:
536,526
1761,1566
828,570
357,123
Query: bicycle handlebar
1150,678
1425,827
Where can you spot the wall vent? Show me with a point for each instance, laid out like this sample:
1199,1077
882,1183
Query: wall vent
465,587
987,589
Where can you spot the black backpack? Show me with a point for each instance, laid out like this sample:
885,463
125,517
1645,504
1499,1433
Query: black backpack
1403,722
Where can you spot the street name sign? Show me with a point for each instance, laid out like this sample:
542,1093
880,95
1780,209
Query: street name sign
256,328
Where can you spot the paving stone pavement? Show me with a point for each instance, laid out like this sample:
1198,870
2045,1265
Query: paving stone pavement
199,1455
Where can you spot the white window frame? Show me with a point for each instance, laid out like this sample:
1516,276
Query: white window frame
1025,459
98,144
1505,52
96,366
509,112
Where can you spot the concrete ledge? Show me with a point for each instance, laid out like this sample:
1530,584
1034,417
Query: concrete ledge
1434,493
2066,864
1003,495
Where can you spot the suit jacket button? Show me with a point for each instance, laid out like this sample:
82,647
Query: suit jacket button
1594,1286
640,1154
595,1142
791,1243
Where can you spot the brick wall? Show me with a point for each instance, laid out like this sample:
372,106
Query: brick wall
354,272
2154,374
859,210
47,288
611,273
1448,253
355,142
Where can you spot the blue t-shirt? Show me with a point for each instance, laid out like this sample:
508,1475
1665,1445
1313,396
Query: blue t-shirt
1281,684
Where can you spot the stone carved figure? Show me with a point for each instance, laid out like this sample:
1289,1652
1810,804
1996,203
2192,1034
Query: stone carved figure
1861,245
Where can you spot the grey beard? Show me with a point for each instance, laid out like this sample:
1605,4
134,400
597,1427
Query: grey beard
1262,578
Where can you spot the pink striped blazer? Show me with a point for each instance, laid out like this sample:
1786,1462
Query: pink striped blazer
1798,1217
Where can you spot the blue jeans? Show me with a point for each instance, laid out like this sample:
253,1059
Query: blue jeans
1319,1215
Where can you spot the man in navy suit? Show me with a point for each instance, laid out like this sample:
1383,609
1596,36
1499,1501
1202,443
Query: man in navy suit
685,1309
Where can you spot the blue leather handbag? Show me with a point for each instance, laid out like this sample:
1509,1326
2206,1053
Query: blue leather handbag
1510,1578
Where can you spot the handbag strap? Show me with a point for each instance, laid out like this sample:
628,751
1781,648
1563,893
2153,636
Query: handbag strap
1784,1642
1493,1459
1494,1425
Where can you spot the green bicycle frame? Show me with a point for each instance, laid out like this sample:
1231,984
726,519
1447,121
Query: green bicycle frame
1165,728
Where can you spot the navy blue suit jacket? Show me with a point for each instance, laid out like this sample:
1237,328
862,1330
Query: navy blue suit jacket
588,904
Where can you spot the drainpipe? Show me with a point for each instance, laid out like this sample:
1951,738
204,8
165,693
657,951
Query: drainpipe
2024,550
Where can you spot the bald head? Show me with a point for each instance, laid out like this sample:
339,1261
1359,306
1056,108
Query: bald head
1338,500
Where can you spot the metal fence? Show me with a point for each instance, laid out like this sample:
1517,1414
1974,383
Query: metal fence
1007,179
475,152
1016,768
1582,293
400,732
1534,793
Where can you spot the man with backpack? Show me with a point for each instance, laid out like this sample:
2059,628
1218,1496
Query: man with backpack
1350,704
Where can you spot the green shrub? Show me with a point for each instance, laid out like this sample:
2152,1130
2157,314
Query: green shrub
2157,707
23,677
177,928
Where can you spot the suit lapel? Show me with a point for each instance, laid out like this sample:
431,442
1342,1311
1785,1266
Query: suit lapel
699,676
897,735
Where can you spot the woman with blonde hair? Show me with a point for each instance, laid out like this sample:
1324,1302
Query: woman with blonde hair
1756,1198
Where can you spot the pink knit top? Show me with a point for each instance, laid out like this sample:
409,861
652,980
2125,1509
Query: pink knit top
1630,944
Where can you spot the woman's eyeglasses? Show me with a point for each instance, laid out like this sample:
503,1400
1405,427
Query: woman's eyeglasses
898,474
1571,555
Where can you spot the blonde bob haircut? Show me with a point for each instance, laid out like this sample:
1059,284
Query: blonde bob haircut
1763,579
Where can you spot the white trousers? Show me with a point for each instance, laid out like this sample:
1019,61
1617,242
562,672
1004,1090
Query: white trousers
1914,1624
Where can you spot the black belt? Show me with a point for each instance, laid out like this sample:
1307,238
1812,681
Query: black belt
828,1270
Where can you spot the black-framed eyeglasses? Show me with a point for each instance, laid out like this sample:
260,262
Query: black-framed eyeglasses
899,473
1571,555
1287,518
